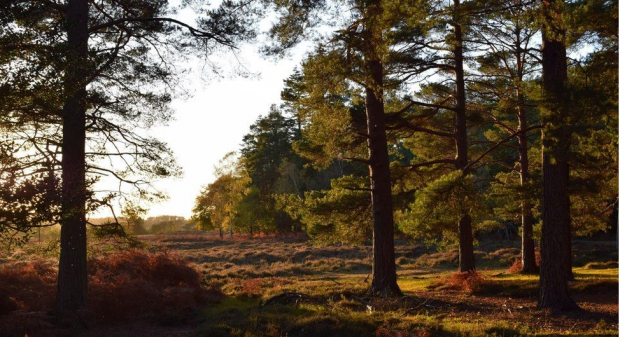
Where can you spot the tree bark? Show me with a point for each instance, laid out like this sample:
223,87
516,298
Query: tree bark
528,253
466,245
72,277
384,265
555,243
466,238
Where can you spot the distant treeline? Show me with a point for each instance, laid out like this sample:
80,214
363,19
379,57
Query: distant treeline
150,225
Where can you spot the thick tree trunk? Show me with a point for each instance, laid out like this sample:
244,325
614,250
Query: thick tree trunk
554,292
466,238
72,281
528,253
555,243
384,265
466,245
568,253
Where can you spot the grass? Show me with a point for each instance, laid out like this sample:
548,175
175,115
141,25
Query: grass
438,303
503,304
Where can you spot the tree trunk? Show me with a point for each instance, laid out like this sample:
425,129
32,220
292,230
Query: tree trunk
466,245
555,243
384,265
568,255
466,238
72,277
528,253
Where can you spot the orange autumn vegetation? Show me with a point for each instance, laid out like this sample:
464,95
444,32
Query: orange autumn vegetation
468,282
516,265
122,286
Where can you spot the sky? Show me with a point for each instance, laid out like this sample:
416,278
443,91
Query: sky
213,122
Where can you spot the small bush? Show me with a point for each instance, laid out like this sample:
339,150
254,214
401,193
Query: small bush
122,286
134,284
27,286
516,266
468,282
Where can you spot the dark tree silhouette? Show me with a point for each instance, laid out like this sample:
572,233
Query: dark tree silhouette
104,53
556,235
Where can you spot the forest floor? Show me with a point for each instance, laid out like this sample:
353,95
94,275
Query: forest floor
324,292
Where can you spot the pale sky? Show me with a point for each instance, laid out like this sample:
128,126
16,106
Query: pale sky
214,120
213,123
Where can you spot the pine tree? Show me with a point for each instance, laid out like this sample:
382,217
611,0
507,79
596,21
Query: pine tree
92,61
556,236
507,36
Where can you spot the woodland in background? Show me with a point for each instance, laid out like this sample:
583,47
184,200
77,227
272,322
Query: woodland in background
434,122
455,109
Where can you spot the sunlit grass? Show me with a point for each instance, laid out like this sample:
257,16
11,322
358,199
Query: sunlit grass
251,273
503,304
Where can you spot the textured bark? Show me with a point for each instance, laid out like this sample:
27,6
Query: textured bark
466,247
554,292
568,254
71,296
555,242
466,238
384,265
528,257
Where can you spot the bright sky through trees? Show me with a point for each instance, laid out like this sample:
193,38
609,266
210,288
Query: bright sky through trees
213,121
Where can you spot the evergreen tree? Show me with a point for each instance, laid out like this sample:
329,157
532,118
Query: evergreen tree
357,68
268,158
92,60
502,86
556,236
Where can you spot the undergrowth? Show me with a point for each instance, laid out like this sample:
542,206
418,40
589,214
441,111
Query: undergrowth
122,286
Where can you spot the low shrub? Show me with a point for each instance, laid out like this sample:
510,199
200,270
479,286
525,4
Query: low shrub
122,286
29,286
516,266
467,282
134,284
